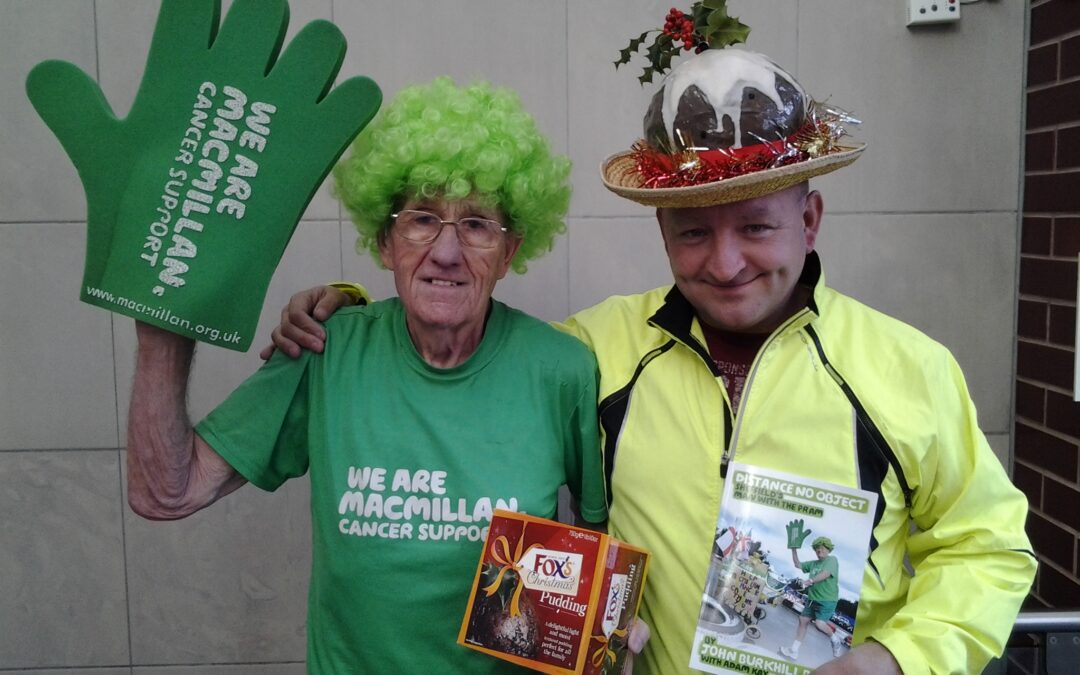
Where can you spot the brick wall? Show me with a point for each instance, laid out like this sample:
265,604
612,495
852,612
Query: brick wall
1047,425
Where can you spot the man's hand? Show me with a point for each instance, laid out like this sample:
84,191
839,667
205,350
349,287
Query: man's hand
796,533
300,328
869,658
192,198
635,642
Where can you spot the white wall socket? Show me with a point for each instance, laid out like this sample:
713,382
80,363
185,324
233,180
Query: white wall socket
932,11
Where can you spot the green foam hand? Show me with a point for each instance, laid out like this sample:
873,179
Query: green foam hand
192,198
796,533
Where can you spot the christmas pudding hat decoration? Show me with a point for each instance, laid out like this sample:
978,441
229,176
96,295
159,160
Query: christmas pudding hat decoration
727,124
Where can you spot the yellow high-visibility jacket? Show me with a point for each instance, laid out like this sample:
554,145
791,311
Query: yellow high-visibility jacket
840,393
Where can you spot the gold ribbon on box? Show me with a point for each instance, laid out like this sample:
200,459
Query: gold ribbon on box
508,563
604,652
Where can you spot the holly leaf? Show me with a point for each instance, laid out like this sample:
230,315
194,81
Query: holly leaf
725,30
720,5
657,61
635,43
626,53
646,77
700,16
655,47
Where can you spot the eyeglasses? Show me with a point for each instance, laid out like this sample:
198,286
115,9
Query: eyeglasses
423,227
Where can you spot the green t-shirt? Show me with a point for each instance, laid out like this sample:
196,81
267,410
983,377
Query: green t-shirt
407,462
827,590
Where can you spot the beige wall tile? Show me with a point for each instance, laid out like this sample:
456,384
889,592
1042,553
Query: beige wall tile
774,29
125,29
61,559
615,256
56,355
513,43
940,105
952,276
543,290
37,181
228,584
1001,445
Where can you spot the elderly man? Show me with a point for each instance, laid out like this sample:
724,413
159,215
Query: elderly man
750,357
413,441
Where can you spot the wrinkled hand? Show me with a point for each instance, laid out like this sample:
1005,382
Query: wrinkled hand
300,321
635,642
192,198
796,533
869,658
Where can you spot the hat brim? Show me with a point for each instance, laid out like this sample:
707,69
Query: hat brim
620,175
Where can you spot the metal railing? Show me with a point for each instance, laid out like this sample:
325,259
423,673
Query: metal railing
1043,642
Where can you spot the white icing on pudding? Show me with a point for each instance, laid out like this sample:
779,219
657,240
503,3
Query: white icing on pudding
722,75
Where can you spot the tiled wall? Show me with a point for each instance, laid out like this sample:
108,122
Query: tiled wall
1047,432
923,227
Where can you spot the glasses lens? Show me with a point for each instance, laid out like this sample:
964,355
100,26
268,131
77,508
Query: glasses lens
418,225
479,232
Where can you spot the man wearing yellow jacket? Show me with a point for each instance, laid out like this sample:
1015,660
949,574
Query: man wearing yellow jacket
750,357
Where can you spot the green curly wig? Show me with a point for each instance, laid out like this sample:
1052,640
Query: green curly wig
822,541
442,140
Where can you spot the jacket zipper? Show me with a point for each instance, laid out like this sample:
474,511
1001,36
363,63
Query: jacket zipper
729,450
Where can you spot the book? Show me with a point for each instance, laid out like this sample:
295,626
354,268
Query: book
786,569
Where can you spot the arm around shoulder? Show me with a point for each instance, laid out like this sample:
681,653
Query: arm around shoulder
172,473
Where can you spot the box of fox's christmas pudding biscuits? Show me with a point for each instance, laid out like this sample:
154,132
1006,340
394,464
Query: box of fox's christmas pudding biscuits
552,597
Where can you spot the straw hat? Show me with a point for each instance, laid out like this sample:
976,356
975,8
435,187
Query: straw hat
620,175
729,125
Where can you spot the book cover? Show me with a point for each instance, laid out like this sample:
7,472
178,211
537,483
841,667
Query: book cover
782,592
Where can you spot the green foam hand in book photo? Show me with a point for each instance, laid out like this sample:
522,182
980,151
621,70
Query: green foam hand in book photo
192,198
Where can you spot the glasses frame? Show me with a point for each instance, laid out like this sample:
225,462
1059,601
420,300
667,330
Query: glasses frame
443,223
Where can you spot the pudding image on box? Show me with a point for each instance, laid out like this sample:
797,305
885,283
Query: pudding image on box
553,597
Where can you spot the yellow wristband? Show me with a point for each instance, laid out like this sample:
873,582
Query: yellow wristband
357,293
